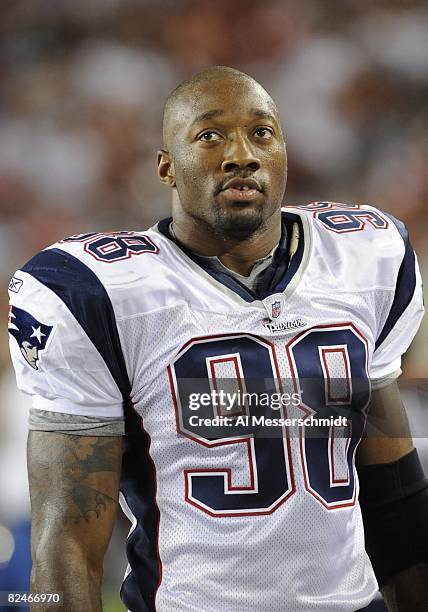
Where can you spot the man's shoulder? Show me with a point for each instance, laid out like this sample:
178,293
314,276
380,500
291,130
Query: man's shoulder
358,241
109,258
119,269
107,253
345,218
353,227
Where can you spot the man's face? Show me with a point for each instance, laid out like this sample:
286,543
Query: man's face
228,157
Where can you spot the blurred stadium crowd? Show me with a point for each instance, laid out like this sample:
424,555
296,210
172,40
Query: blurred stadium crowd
82,85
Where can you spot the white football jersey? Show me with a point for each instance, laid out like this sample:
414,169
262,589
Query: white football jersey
227,519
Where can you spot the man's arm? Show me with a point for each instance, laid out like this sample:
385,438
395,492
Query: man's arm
74,483
388,440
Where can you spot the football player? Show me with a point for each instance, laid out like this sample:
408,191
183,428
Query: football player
123,338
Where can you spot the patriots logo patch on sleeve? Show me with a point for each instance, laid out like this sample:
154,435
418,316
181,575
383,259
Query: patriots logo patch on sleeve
30,334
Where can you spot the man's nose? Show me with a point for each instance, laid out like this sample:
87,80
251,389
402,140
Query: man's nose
240,155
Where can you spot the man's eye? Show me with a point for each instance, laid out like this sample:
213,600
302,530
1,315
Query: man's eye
263,133
209,137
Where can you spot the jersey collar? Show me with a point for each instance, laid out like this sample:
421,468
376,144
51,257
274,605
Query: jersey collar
274,279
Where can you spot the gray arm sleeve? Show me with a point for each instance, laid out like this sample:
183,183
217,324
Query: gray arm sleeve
378,383
75,424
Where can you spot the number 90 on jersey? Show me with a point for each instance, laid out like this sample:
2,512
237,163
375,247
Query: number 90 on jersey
328,366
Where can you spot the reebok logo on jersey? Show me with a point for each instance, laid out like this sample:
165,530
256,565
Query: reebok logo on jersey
30,334
15,284
279,326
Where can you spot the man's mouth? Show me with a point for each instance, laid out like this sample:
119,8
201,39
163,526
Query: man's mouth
241,189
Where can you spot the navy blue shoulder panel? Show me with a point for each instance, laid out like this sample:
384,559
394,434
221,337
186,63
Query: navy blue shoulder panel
406,283
86,298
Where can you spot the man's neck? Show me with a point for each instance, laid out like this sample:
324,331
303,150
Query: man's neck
239,256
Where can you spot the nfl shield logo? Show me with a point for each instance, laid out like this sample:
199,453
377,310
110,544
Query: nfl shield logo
276,309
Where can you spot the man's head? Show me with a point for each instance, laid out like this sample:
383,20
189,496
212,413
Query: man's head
224,153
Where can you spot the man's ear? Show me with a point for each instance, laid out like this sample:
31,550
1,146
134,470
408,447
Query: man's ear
165,168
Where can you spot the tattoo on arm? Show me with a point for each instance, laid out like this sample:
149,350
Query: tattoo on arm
74,482
76,475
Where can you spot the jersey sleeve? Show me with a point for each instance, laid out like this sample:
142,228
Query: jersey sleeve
63,338
402,316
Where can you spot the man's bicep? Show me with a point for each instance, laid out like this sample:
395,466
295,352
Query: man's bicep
74,482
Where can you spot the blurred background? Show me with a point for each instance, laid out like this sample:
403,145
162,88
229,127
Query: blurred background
82,86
